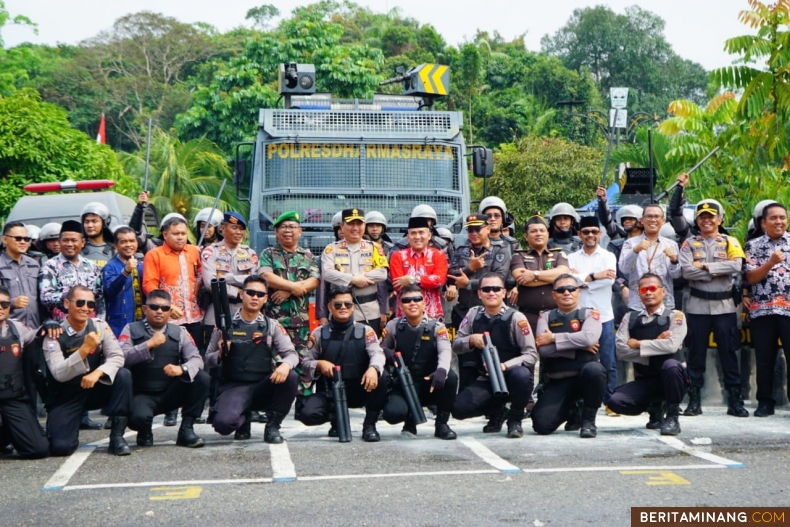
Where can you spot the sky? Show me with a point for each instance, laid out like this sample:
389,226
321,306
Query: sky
696,29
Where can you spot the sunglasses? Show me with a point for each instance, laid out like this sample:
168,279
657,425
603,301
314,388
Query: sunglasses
347,305
5,304
474,229
158,307
566,289
410,299
651,288
492,288
253,292
20,239
82,302
588,232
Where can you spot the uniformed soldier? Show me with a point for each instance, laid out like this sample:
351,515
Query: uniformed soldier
563,223
535,270
166,372
257,367
651,339
511,335
710,261
96,220
355,348
85,372
567,340
19,423
292,274
358,264
19,274
425,346
497,213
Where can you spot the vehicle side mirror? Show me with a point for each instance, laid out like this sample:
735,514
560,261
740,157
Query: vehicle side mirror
483,162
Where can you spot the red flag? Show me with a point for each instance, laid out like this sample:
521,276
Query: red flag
101,137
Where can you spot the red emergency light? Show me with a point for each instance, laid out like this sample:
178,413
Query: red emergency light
65,186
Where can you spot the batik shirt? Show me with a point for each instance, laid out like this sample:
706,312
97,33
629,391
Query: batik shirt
59,275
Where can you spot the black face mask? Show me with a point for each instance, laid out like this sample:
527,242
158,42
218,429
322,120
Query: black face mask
562,234
340,326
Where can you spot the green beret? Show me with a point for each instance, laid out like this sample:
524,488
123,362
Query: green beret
291,215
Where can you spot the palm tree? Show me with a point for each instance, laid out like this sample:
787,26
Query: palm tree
184,177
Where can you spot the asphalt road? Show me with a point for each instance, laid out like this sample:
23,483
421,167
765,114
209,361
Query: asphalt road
479,479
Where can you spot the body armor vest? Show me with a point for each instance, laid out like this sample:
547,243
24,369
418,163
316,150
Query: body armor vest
11,372
250,357
150,376
70,344
356,360
417,346
570,323
498,328
641,331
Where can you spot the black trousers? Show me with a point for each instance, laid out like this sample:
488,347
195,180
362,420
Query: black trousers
728,339
236,399
558,396
767,331
216,372
189,395
476,399
634,397
64,415
318,407
396,410
20,427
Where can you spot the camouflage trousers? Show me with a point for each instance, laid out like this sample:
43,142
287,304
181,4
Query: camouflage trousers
299,337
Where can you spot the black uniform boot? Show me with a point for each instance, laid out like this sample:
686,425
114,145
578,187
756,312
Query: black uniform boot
695,401
574,417
87,424
735,402
145,438
332,429
443,430
271,434
108,423
187,436
244,432
588,428
656,413
671,425
409,427
171,418
764,409
118,444
369,433
496,420
514,418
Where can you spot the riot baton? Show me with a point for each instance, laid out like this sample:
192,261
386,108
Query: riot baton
343,422
147,156
211,214
692,169
409,391
222,317
495,374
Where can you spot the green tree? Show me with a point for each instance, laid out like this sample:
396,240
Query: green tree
37,145
534,173
262,16
183,177
14,70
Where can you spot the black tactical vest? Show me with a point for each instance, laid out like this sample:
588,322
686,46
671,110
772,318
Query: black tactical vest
417,346
150,376
641,331
356,360
570,323
250,356
70,344
11,374
498,328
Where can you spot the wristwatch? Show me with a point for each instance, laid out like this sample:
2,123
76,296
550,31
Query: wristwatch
412,280
592,277
184,369
537,275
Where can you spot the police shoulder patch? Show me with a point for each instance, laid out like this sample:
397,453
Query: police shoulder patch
370,337
123,338
383,332
253,257
678,319
464,322
328,249
596,314
499,257
442,334
524,326
282,329
207,252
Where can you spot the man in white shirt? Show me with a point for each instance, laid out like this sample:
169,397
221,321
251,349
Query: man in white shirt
597,268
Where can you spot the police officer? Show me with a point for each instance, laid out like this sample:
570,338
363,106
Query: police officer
48,243
510,334
535,269
257,367
19,423
563,223
166,371
292,273
425,346
651,339
322,292
96,221
567,340
19,274
376,230
85,372
358,264
355,348
709,261
496,211
214,218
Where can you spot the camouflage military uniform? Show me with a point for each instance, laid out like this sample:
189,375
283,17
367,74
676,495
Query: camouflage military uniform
293,313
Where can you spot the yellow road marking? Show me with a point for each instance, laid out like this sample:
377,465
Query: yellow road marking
177,493
659,477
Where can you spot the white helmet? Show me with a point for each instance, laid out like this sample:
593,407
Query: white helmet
202,215
760,207
444,232
629,211
99,209
564,209
375,216
751,225
337,219
688,214
424,211
114,228
50,231
170,216
492,201
34,231
667,231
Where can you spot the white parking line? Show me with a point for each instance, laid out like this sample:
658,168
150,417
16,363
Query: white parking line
617,469
69,468
707,456
168,483
283,468
489,457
